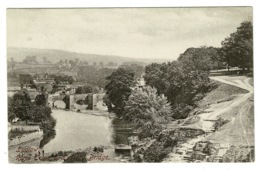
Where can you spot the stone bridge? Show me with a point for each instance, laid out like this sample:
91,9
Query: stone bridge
76,101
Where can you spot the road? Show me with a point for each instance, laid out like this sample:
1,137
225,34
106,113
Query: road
242,100
241,83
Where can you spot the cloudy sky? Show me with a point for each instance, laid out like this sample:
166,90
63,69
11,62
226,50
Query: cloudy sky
130,32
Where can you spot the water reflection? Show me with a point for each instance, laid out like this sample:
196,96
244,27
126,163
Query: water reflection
47,138
78,131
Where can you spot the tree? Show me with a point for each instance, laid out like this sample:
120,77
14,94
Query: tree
85,63
182,86
61,62
147,110
20,105
11,110
136,68
238,47
153,75
77,61
119,88
63,78
200,59
25,78
227,52
94,76
30,60
40,113
12,63
84,89
41,99
72,63
110,63
45,60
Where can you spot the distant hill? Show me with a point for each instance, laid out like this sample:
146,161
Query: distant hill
55,55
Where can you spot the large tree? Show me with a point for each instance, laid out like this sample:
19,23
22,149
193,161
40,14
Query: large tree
119,88
183,87
200,59
147,110
20,105
237,49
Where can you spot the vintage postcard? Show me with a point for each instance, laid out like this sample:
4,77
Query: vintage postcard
99,85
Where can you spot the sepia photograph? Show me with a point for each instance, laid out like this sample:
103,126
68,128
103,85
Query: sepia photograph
130,85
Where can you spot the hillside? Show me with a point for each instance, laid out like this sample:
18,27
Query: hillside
227,117
55,55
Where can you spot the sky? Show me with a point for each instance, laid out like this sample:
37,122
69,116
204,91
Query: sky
130,32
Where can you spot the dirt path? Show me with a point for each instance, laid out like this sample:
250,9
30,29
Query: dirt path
241,83
245,108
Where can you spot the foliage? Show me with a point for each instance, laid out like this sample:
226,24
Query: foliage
30,60
11,109
19,105
200,59
237,49
107,102
111,63
25,78
45,60
62,78
48,130
78,157
147,110
182,87
41,99
136,68
119,88
84,89
40,113
94,76
160,148
219,123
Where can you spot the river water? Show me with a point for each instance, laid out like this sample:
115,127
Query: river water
76,131
80,131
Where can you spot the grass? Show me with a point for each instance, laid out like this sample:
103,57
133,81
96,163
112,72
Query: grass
233,132
222,92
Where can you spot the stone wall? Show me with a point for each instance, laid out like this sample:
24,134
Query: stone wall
24,128
25,138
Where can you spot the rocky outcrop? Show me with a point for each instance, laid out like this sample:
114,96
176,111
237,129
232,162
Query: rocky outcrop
239,154
155,150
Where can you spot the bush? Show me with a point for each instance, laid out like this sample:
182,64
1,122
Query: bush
220,122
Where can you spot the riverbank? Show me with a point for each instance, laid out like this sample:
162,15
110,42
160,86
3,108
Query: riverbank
75,131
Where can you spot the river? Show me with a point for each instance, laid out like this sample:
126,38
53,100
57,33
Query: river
76,131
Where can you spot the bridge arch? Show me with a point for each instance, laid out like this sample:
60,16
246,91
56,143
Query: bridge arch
59,104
